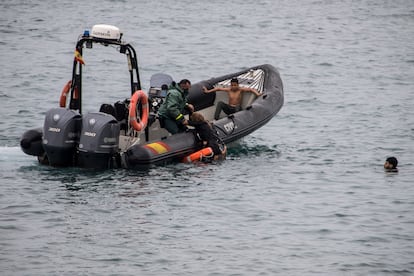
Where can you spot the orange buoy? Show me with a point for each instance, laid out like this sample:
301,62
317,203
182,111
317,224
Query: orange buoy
198,155
64,94
138,96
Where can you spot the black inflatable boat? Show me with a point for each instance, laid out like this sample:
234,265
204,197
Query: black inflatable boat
127,134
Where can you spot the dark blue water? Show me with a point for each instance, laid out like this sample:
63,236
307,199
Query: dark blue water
304,195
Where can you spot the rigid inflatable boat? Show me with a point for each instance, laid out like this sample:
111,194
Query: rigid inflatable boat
127,133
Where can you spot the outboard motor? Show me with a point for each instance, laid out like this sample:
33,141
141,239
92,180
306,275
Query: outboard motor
60,136
99,141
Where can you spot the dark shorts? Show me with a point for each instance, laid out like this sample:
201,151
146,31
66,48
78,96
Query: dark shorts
226,108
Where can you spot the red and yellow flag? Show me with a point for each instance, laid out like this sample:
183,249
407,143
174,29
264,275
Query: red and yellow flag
158,147
78,57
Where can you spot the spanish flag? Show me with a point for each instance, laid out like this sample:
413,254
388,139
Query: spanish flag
78,57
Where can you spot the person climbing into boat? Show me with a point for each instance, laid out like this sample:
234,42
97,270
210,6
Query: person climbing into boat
235,97
390,164
208,136
172,110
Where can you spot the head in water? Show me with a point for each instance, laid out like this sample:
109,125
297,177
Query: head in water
391,163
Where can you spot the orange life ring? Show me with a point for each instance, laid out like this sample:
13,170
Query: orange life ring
198,155
63,95
138,96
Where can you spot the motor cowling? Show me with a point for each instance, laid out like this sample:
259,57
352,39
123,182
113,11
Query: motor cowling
61,135
99,141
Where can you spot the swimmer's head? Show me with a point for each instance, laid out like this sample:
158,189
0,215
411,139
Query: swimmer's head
391,163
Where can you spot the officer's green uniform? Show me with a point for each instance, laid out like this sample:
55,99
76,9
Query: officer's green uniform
171,111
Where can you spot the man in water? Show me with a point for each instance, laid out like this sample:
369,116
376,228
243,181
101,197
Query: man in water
235,97
175,104
208,136
390,164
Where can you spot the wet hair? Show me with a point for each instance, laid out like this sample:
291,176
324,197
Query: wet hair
185,81
234,80
197,117
393,161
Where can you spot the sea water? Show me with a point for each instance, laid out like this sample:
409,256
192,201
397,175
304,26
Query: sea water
306,194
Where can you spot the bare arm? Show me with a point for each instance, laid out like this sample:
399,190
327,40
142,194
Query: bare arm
205,90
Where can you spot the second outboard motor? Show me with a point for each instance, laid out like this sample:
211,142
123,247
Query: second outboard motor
99,141
60,136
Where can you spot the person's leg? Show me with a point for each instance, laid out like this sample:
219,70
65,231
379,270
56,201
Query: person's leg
219,107
171,126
